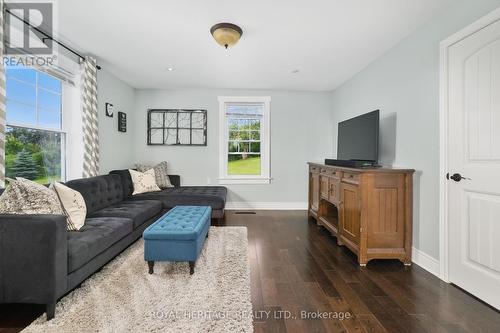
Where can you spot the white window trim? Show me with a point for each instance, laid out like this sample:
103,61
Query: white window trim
265,177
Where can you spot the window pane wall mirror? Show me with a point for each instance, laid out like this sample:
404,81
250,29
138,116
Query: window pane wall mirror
177,127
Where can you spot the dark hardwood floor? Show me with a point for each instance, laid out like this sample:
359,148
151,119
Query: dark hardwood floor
297,268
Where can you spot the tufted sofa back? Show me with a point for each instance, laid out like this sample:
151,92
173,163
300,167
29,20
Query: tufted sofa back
128,186
98,192
126,179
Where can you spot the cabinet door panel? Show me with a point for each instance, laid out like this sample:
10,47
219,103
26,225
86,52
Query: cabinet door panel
350,212
324,188
315,191
334,191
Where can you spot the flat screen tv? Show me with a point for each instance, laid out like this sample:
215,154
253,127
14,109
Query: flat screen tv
358,138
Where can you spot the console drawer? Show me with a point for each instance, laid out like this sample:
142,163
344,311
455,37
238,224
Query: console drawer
350,177
314,169
331,172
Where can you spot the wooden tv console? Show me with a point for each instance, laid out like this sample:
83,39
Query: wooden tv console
368,210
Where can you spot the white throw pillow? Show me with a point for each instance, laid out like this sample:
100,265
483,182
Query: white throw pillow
144,181
73,205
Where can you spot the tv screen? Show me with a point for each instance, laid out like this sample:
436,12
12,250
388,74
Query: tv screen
358,138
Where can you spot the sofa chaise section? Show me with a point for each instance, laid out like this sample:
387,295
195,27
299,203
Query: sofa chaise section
213,196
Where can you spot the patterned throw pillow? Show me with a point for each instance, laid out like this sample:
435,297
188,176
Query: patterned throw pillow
144,181
162,179
73,205
22,196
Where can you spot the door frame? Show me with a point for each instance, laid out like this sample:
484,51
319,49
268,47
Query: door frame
480,24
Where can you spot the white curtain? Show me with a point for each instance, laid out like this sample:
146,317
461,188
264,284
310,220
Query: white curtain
89,118
2,101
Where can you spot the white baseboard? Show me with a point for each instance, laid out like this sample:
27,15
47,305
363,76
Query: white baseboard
425,261
236,205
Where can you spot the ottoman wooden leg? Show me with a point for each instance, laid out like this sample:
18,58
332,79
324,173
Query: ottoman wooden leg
191,267
151,264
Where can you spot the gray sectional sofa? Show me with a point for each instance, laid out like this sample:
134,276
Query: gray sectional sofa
40,260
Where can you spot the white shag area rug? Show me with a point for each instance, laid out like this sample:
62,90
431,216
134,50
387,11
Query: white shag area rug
123,297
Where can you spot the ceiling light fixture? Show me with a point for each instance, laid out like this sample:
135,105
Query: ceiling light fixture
170,69
226,34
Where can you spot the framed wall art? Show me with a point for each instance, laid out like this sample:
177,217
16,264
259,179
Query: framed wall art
122,122
109,110
177,127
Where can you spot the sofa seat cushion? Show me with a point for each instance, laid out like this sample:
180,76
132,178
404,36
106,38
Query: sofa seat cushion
138,211
213,196
96,235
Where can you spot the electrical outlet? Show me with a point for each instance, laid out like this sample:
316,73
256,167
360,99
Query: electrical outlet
209,181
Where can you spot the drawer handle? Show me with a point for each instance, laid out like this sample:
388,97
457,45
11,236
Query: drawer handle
351,176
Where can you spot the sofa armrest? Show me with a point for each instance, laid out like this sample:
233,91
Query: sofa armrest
175,180
33,258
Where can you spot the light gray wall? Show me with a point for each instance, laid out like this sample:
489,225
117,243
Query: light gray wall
300,131
404,85
115,148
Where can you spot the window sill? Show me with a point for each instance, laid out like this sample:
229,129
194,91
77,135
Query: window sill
250,181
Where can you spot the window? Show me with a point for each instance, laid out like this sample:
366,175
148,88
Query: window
34,147
244,140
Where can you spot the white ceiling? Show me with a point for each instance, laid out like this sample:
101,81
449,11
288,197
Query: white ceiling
328,41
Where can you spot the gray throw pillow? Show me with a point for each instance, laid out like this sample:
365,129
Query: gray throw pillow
161,175
23,196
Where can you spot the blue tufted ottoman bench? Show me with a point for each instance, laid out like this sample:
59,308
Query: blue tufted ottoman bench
178,235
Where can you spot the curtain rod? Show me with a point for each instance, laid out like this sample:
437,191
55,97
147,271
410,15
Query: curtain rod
47,36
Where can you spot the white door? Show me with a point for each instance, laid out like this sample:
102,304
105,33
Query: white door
474,152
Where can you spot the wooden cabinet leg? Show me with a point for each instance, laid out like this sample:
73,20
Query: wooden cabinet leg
362,260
